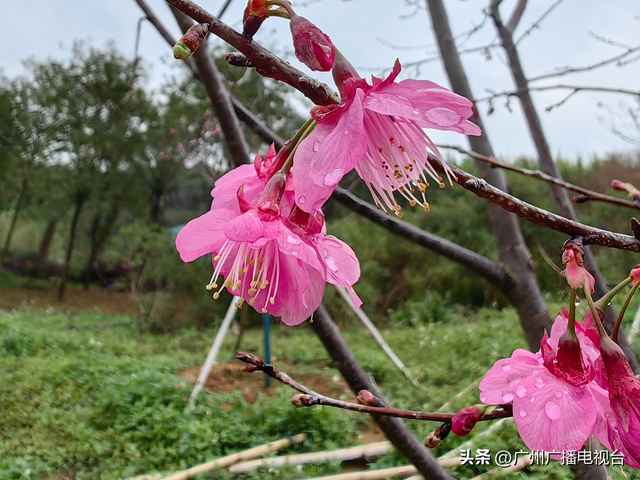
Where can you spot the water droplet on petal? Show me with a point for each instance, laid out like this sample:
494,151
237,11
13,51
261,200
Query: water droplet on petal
521,391
332,242
332,264
416,111
507,395
558,394
443,117
302,199
483,398
523,413
515,377
293,240
552,410
333,177
346,132
316,146
539,383
506,366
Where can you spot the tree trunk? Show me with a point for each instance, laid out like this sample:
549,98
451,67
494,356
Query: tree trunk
525,296
100,232
548,166
45,245
14,218
80,200
394,428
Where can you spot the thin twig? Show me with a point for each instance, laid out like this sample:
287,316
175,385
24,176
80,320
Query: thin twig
586,193
570,70
575,88
311,398
536,24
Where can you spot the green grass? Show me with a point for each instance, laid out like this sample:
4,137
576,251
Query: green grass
92,393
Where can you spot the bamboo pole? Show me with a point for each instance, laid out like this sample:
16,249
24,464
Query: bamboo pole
370,450
386,472
376,334
213,353
237,457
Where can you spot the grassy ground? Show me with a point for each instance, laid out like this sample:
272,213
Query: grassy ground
88,395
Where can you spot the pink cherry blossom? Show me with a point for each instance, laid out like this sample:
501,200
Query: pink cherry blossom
554,410
270,256
378,130
635,275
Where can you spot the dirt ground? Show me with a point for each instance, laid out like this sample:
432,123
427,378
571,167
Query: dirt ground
75,298
230,377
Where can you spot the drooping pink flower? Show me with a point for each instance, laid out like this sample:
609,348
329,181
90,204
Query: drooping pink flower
312,46
378,130
624,398
572,257
277,265
554,410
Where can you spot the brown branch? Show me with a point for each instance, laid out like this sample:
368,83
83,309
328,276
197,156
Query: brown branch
586,194
482,266
311,398
538,216
516,16
267,64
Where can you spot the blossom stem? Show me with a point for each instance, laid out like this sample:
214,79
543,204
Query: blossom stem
614,335
594,312
572,311
602,302
292,145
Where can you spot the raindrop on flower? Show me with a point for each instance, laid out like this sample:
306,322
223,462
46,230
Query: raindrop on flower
443,117
521,391
515,377
302,199
552,410
333,177
523,413
507,395
332,264
293,240
316,145
558,394
506,366
539,383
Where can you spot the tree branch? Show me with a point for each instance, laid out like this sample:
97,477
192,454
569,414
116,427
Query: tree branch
267,64
575,88
311,398
570,70
538,216
516,16
484,267
357,378
585,194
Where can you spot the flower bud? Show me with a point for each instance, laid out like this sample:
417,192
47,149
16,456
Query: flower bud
302,400
572,257
296,401
432,440
254,15
365,397
312,46
190,41
463,422
635,274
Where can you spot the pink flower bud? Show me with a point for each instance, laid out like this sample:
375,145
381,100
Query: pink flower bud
365,397
463,422
617,185
312,46
572,257
635,274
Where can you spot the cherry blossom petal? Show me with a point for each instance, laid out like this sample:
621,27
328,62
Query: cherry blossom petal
202,235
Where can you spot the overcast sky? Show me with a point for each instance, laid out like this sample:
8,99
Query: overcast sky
372,34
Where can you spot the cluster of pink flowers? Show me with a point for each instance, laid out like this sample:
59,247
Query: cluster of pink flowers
578,384
266,229
273,255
